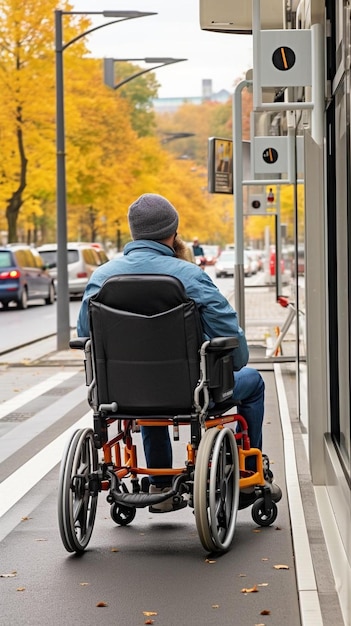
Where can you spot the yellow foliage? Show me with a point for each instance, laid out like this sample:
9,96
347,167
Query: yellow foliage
109,160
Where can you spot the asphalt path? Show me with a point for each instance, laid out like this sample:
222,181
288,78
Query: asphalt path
156,565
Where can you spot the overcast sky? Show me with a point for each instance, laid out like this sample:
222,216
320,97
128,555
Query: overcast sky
174,32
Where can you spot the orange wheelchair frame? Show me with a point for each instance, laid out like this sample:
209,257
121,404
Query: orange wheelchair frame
112,452
215,504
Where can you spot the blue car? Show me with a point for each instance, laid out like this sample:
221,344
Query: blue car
23,277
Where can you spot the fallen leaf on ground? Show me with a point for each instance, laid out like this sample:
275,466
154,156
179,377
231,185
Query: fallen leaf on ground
209,561
149,621
84,584
265,612
101,604
242,575
25,519
281,566
264,559
149,613
277,528
215,606
250,590
262,585
8,575
20,589
114,550
256,530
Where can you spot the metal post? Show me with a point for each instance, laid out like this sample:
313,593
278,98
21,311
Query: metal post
63,324
239,291
278,246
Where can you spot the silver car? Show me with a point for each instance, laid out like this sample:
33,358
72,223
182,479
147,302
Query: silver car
224,265
82,260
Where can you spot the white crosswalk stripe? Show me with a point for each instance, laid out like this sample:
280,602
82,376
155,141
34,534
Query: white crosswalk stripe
26,396
29,474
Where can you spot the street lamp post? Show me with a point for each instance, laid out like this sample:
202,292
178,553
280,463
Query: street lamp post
63,324
156,62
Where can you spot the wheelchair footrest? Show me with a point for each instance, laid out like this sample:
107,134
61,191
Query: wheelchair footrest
140,500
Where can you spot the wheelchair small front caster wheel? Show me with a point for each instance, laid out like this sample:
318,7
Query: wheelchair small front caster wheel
122,515
261,516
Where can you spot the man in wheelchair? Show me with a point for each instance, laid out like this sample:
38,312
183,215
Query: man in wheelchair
153,223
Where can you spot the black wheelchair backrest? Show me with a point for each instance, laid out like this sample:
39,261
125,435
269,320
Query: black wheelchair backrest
146,334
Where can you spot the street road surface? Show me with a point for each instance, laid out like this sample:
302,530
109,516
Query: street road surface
20,327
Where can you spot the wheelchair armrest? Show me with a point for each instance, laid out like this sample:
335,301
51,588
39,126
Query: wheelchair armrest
222,343
78,343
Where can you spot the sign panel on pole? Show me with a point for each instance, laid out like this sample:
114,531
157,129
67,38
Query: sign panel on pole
270,155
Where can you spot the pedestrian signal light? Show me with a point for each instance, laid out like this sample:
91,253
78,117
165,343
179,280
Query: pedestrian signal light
256,204
270,197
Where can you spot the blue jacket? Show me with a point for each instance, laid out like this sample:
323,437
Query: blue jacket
150,257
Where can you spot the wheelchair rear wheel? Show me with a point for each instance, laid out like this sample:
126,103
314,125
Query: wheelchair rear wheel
216,489
77,501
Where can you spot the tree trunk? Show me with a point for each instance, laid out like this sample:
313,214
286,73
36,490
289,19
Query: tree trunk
15,202
12,210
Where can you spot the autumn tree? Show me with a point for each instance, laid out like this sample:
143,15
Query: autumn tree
139,92
209,119
114,151
26,104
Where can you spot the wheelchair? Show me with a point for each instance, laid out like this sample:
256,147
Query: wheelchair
147,364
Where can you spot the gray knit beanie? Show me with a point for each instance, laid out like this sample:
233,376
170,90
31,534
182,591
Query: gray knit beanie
152,217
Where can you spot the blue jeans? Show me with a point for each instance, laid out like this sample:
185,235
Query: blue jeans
248,395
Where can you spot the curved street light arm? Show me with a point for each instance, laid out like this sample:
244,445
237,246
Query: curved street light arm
148,69
94,28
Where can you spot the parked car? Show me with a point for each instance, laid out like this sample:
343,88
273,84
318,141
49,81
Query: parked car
23,277
102,256
211,254
272,262
101,252
82,260
256,260
224,265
